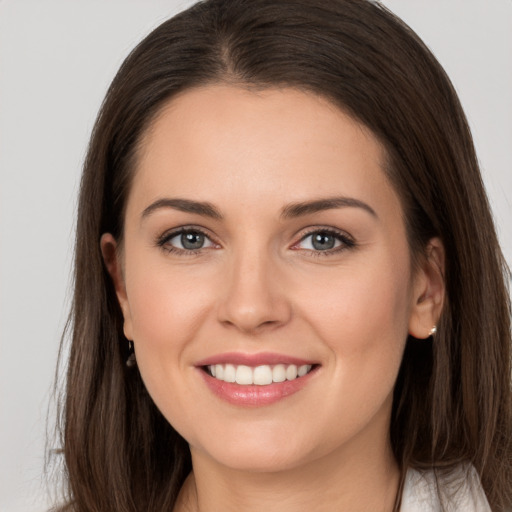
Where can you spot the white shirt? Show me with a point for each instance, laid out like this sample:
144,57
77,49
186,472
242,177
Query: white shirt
461,491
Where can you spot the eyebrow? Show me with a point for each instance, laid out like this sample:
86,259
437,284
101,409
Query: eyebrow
185,205
305,208
290,211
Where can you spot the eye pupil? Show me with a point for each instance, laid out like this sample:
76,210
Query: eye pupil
192,241
323,241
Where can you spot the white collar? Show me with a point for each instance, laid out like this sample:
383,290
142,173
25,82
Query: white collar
460,491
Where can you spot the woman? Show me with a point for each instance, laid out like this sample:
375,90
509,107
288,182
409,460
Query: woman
288,288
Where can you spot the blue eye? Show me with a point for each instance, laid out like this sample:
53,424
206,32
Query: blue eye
325,241
185,240
191,241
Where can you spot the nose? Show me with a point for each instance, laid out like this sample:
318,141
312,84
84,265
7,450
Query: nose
254,297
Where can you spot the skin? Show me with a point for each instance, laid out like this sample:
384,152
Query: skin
259,285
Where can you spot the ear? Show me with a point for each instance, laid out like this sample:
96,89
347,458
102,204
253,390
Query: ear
428,291
113,261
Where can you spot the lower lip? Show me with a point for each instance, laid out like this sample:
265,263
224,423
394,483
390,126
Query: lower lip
253,395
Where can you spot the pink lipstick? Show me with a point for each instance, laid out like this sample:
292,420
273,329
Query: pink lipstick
255,379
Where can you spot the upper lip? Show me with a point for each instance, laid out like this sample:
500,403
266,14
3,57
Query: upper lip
262,358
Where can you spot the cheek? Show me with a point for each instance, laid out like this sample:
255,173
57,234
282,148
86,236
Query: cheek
362,316
360,306
165,304
167,308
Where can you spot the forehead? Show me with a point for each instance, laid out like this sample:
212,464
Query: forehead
238,144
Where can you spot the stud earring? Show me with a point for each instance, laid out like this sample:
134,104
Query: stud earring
433,331
131,361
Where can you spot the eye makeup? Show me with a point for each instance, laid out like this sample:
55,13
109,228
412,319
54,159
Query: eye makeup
317,241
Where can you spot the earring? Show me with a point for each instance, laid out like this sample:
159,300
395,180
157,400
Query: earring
131,361
433,331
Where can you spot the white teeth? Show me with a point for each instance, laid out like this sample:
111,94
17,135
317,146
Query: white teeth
243,375
279,373
260,375
302,370
291,372
229,373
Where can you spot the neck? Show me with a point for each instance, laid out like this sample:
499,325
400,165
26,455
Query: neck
361,477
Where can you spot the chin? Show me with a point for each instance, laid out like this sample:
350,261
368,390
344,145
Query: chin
261,461
274,452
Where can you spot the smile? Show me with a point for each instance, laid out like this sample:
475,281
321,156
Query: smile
262,375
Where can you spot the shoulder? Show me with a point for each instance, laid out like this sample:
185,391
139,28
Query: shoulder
429,491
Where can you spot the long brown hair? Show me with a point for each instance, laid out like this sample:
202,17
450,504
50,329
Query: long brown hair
452,401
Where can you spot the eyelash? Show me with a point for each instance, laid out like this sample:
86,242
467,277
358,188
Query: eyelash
163,240
347,242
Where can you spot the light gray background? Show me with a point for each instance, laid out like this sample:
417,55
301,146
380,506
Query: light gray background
56,61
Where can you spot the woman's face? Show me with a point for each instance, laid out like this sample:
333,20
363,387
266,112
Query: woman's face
262,241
